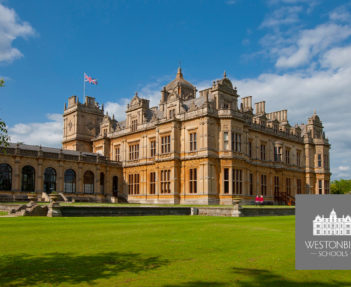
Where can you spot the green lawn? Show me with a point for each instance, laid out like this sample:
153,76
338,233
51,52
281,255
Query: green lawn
173,251
3,213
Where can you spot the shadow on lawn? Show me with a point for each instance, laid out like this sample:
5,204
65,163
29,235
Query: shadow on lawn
56,268
260,278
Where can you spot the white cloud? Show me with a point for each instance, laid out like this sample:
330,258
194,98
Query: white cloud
117,109
338,57
341,14
47,134
311,42
344,168
282,16
290,45
151,92
11,27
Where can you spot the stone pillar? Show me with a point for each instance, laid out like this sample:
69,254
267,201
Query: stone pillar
173,151
79,180
231,180
39,178
157,182
16,181
108,181
246,181
97,180
60,178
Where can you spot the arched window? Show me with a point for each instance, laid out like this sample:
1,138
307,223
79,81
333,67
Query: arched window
70,181
88,184
28,178
5,176
115,186
102,182
49,180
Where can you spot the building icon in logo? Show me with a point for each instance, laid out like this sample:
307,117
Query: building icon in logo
324,226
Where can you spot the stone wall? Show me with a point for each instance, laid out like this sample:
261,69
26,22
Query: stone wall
123,211
230,211
78,211
263,211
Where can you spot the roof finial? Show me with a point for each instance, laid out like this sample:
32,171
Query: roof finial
179,73
225,74
314,112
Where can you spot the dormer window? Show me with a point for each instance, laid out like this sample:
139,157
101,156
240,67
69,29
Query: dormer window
172,113
134,125
105,132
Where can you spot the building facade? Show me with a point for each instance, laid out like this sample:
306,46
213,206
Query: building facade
204,149
197,149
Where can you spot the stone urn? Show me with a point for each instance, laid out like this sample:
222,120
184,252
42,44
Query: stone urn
54,197
236,201
236,207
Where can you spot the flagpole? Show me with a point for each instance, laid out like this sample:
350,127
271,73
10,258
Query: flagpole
84,86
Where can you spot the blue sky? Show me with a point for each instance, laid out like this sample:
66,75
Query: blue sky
295,54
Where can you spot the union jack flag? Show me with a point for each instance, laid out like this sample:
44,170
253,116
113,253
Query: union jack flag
90,79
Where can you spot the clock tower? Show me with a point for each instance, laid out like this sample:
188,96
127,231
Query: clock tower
81,122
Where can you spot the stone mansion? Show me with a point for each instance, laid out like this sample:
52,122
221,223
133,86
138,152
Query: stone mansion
204,149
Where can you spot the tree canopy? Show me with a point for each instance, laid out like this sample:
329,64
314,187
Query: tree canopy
341,186
4,138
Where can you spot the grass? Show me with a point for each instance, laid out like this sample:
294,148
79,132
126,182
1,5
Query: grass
172,251
2,213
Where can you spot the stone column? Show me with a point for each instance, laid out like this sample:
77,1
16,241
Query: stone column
79,180
231,180
39,178
60,178
16,181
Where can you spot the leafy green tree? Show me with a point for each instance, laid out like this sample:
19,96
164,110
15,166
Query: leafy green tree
340,186
4,138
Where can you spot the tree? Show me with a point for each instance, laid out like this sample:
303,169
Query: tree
340,186
4,138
